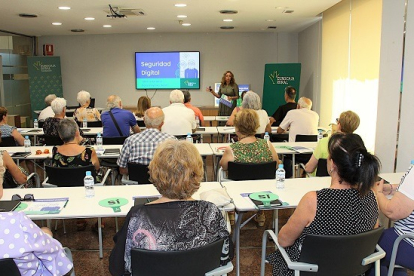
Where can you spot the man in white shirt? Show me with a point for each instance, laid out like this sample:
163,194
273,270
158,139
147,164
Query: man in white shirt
300,121
47,112
179,120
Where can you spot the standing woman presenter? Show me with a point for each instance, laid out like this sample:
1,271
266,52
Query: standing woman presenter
228,94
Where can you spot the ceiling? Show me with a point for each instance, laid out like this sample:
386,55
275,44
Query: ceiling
204,16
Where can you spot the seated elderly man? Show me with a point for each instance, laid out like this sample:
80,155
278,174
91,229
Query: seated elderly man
47,112
300,121
179,120
140,147
117,121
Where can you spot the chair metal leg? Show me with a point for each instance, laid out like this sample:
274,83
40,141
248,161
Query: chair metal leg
116,225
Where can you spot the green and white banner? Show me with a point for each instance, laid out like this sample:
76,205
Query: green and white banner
44,78
277,76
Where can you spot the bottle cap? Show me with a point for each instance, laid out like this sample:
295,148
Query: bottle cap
412,162
266,133
280,166
188,134
35,120
99,134
26,137
88,173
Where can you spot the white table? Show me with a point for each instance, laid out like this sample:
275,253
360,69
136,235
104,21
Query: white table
81,207
294,190
35,132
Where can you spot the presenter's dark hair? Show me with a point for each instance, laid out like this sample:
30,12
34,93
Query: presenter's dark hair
354,163
290,92
187,96
223,79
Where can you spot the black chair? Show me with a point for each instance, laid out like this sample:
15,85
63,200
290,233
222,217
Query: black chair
303,158
7,142
91,124
69,176
41,123
49,140
332,255
248,171
141,123
8,267
321,169
113,140
397,242
138,174
283,137
306,138
199,261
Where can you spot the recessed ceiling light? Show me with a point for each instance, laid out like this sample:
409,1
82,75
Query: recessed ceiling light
89,18
107,26
64,8
270,20
228,20
280,8
56,23
182,16
186,24
150,28
180,5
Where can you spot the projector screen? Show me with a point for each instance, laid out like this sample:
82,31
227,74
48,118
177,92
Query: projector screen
167,70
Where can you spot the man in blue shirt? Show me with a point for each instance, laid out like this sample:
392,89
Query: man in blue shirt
124,118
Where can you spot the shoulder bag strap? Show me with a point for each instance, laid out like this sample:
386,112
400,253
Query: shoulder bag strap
115,122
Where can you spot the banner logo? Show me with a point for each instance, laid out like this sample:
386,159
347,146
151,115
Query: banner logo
44,68
189,83
276,79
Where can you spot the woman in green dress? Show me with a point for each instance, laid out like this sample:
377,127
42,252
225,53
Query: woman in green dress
228,94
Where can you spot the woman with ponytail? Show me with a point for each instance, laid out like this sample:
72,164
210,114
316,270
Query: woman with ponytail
347,207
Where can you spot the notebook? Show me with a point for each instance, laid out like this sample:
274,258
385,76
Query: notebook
8,205
112,151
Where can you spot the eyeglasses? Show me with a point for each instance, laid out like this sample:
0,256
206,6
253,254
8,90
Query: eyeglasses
26,197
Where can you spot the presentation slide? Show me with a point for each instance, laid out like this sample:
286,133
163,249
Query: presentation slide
167,70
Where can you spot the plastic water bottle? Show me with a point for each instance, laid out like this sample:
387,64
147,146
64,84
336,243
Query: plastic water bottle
99,142
27,144
89,185
197,121
189,138
35,123
280,177
320,134
411,165
266,136
85,123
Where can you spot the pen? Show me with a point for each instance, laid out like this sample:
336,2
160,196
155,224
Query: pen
66,203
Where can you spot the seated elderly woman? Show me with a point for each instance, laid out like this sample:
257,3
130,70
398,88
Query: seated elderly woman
10,173
252,101
50,127
398,208
33,249
248,149
7,130
84,111
347,122
176,171
71,154
348,204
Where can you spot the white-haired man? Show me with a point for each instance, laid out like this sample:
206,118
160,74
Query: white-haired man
47,112
121,121
179,120
300,121
140,147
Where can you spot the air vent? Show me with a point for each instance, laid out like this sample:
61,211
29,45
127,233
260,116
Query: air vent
288,11
27,15
272,27
77,30
226,27
228,12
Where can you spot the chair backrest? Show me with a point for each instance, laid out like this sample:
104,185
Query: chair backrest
90,124
41,123
8,267
140,123
339,255
251,171
193,262
321,169
113,140
68,176
306,138
51,140
283,137
7,142
139,173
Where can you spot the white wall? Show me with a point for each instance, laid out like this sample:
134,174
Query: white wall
104,64
309,53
